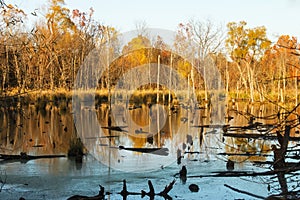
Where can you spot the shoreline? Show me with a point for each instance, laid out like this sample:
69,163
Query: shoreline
143,96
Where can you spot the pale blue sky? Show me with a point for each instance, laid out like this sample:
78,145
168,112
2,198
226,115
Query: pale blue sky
278,16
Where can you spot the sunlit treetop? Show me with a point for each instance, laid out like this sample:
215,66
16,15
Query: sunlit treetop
58,17
246,43
136,43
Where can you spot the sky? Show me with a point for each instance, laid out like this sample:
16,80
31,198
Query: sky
280,17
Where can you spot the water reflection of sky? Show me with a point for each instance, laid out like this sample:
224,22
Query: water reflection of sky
61,177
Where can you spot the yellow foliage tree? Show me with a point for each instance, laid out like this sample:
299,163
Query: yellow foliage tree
246,47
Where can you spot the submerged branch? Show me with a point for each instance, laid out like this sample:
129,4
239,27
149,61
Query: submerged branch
243,192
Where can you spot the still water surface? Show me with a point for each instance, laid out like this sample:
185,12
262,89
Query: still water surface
50,132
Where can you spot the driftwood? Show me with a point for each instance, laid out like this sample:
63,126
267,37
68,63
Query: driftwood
248,173
116,128
257,136
156,151
93,138
285,196
163,193
192,152
210,126
226,127
244,192
24,156
251,135
124,193
287,164
244,154
99,196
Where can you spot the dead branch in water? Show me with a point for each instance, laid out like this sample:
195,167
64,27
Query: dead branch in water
244,192
124,192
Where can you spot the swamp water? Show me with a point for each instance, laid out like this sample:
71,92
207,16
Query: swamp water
195,134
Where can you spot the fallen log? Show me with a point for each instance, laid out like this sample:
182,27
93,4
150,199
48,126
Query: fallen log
251,135
287,164
193,152
99,196
244,154
292,195
116,128
24,156
157,151
244,192
210,126
248,173
124,192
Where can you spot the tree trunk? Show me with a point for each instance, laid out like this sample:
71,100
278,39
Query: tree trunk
170,79
296,87
227,78
17,68
157,83
5,70
157,101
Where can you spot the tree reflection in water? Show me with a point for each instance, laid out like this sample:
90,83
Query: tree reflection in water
248,137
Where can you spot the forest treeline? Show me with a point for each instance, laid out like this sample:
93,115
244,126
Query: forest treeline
48,56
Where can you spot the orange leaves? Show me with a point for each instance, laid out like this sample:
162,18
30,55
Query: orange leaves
288,48
283,55
287,42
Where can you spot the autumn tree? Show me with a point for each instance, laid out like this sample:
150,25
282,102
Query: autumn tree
12,45
283,60
246,47
62,42
50,54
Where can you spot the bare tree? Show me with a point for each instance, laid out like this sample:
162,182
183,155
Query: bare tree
141,28
208,36
209,39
